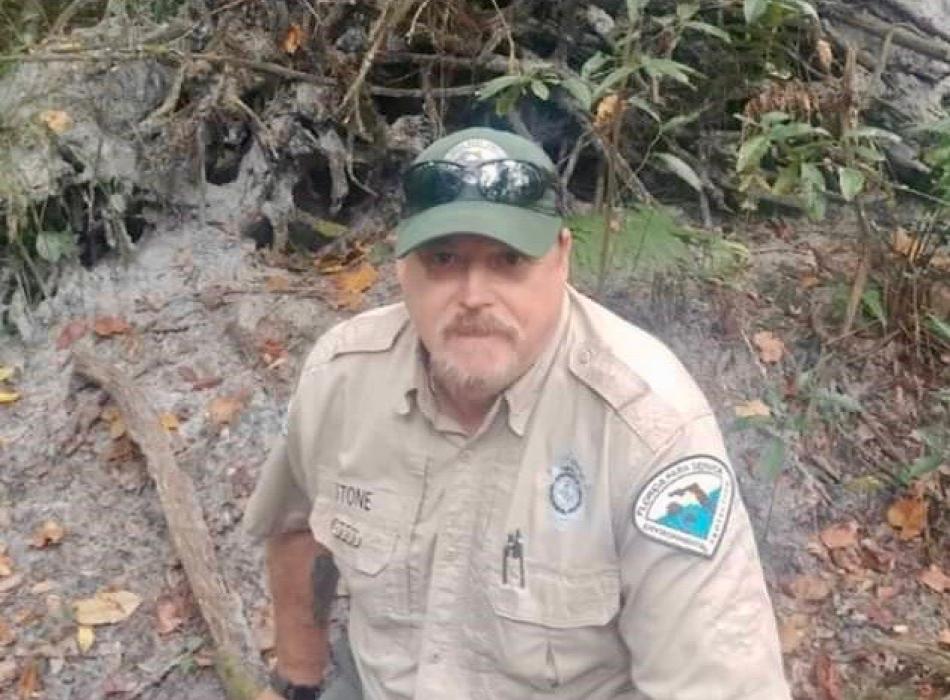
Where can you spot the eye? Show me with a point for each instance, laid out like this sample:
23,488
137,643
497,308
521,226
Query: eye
511,259
442,258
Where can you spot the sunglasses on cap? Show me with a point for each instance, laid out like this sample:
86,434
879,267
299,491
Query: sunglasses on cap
505,181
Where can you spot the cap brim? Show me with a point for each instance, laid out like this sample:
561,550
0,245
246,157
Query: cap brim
527,231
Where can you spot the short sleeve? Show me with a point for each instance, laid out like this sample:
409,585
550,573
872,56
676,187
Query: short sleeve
283,497
696,614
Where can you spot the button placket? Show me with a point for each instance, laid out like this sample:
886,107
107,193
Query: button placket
447,586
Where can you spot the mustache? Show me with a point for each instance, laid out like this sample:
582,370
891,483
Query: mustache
480,325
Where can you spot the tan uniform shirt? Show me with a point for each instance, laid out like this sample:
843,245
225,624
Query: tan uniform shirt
588,543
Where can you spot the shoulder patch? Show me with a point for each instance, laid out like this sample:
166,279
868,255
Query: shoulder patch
687,504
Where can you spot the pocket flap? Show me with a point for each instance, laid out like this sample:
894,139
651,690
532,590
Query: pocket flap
554,599
366,547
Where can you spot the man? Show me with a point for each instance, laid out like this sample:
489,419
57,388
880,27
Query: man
523,494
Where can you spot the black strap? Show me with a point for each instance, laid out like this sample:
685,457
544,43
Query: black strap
290,691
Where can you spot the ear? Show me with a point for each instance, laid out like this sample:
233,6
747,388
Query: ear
564,241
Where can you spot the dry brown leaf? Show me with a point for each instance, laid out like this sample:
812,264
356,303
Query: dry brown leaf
122,450
752,409
875,557
792,631
351,283
934,578
6,566
224,409
116,428
49,533
906,244
840,535
7,635
292,40
169,615
771,348
169,421
7,671
72,331
809,587
826,56
85,638
827,678
106,607
608,109
106,326
56,120
272,350
944,637
10,582
29,683
277,283
909,515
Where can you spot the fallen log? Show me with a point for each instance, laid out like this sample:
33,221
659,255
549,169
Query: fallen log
235,657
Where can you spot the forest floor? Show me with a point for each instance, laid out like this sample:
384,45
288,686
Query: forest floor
213,332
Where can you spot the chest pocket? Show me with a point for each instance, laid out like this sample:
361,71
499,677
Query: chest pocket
554,629
364,550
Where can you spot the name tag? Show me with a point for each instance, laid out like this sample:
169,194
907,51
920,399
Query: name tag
354,497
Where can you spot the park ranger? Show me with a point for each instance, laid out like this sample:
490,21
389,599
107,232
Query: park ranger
522,494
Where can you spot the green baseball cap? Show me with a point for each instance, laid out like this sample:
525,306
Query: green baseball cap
528,229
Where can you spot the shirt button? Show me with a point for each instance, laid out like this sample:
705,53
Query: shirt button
584,357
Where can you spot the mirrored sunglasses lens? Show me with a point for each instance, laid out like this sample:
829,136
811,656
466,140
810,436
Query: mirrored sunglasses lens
511,182
431,184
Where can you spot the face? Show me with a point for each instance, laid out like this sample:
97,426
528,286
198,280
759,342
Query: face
483,311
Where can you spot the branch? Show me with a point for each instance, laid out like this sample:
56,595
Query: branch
235,655
930,47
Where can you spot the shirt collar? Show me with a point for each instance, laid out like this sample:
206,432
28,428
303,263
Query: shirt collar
520,398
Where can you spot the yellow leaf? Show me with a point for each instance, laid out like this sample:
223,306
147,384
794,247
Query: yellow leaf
350,284
753,408
106,608
56,120
85,636
50,532
169,421
5,373
9,396
117,428
771,348
292,39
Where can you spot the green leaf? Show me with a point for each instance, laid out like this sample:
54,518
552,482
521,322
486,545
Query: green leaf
613,78
800,7
921,466
679,120
815,203
770,119
540,90
869,154
872,303
593,64
812,177
493,87
851,182
871,132
686,10
938,127
644,106
751,153
681,169
709,29
754,9
773,458
939,327
784,132
53,246
665,67
507,100
787,180
580,91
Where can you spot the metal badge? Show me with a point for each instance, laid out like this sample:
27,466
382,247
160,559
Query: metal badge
566,492
472,152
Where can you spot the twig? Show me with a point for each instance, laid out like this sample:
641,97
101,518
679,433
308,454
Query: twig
458,91
929,46
235,654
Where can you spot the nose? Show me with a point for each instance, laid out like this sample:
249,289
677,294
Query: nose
475,292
